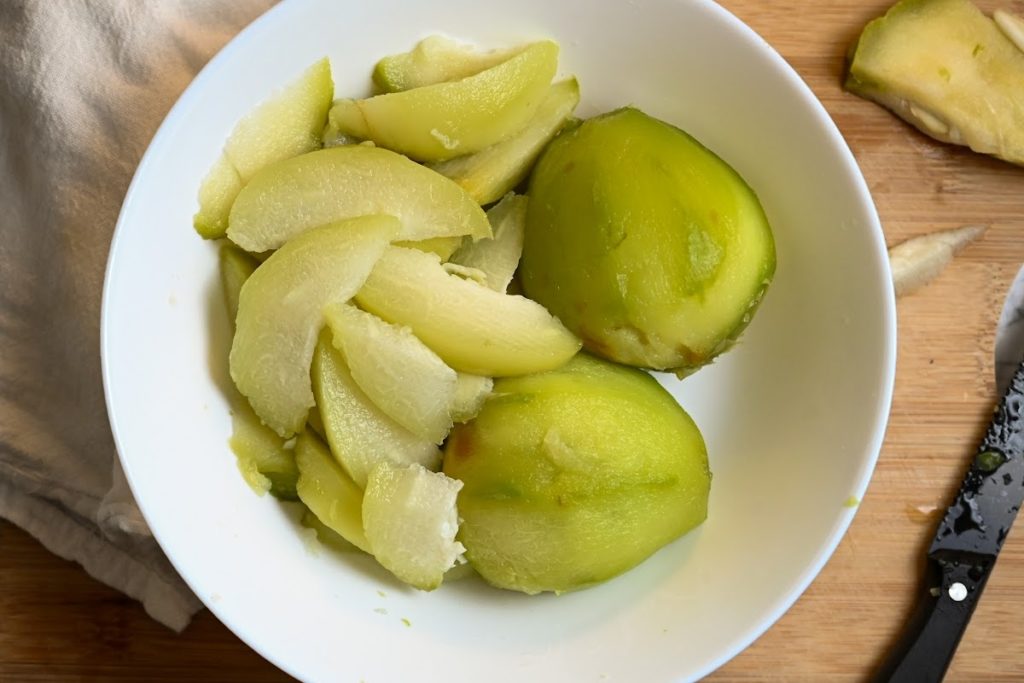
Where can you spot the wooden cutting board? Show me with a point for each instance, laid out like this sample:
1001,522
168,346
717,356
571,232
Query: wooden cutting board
56,624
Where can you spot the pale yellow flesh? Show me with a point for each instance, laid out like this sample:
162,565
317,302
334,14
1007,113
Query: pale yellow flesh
286,125
472,328
397,371
490,173
466,273
295,195
314,421
410,520
360,434
260,451
1012,26
919,260
266,462
435,59
332,137
216,195
325,534
446,120
328,491
498,257
248,434
949,70
280,313
471,391
444,247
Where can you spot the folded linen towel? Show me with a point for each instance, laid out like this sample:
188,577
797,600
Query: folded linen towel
83,88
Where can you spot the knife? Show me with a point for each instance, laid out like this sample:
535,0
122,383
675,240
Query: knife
965,547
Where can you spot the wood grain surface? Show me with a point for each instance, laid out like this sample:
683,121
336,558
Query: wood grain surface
57,624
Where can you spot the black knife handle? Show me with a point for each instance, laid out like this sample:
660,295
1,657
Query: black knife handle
931,637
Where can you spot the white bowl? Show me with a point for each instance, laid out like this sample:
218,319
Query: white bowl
793,417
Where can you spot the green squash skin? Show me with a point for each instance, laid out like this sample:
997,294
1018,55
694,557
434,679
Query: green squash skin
574,476
644,243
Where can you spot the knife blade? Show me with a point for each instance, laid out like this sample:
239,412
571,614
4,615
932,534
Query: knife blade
965,546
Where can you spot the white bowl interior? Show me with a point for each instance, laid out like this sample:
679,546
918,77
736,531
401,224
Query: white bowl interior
793,417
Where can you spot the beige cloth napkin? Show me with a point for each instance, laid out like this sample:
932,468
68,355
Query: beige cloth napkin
84,85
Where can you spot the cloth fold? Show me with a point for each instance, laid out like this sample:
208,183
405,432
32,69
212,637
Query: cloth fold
83,88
